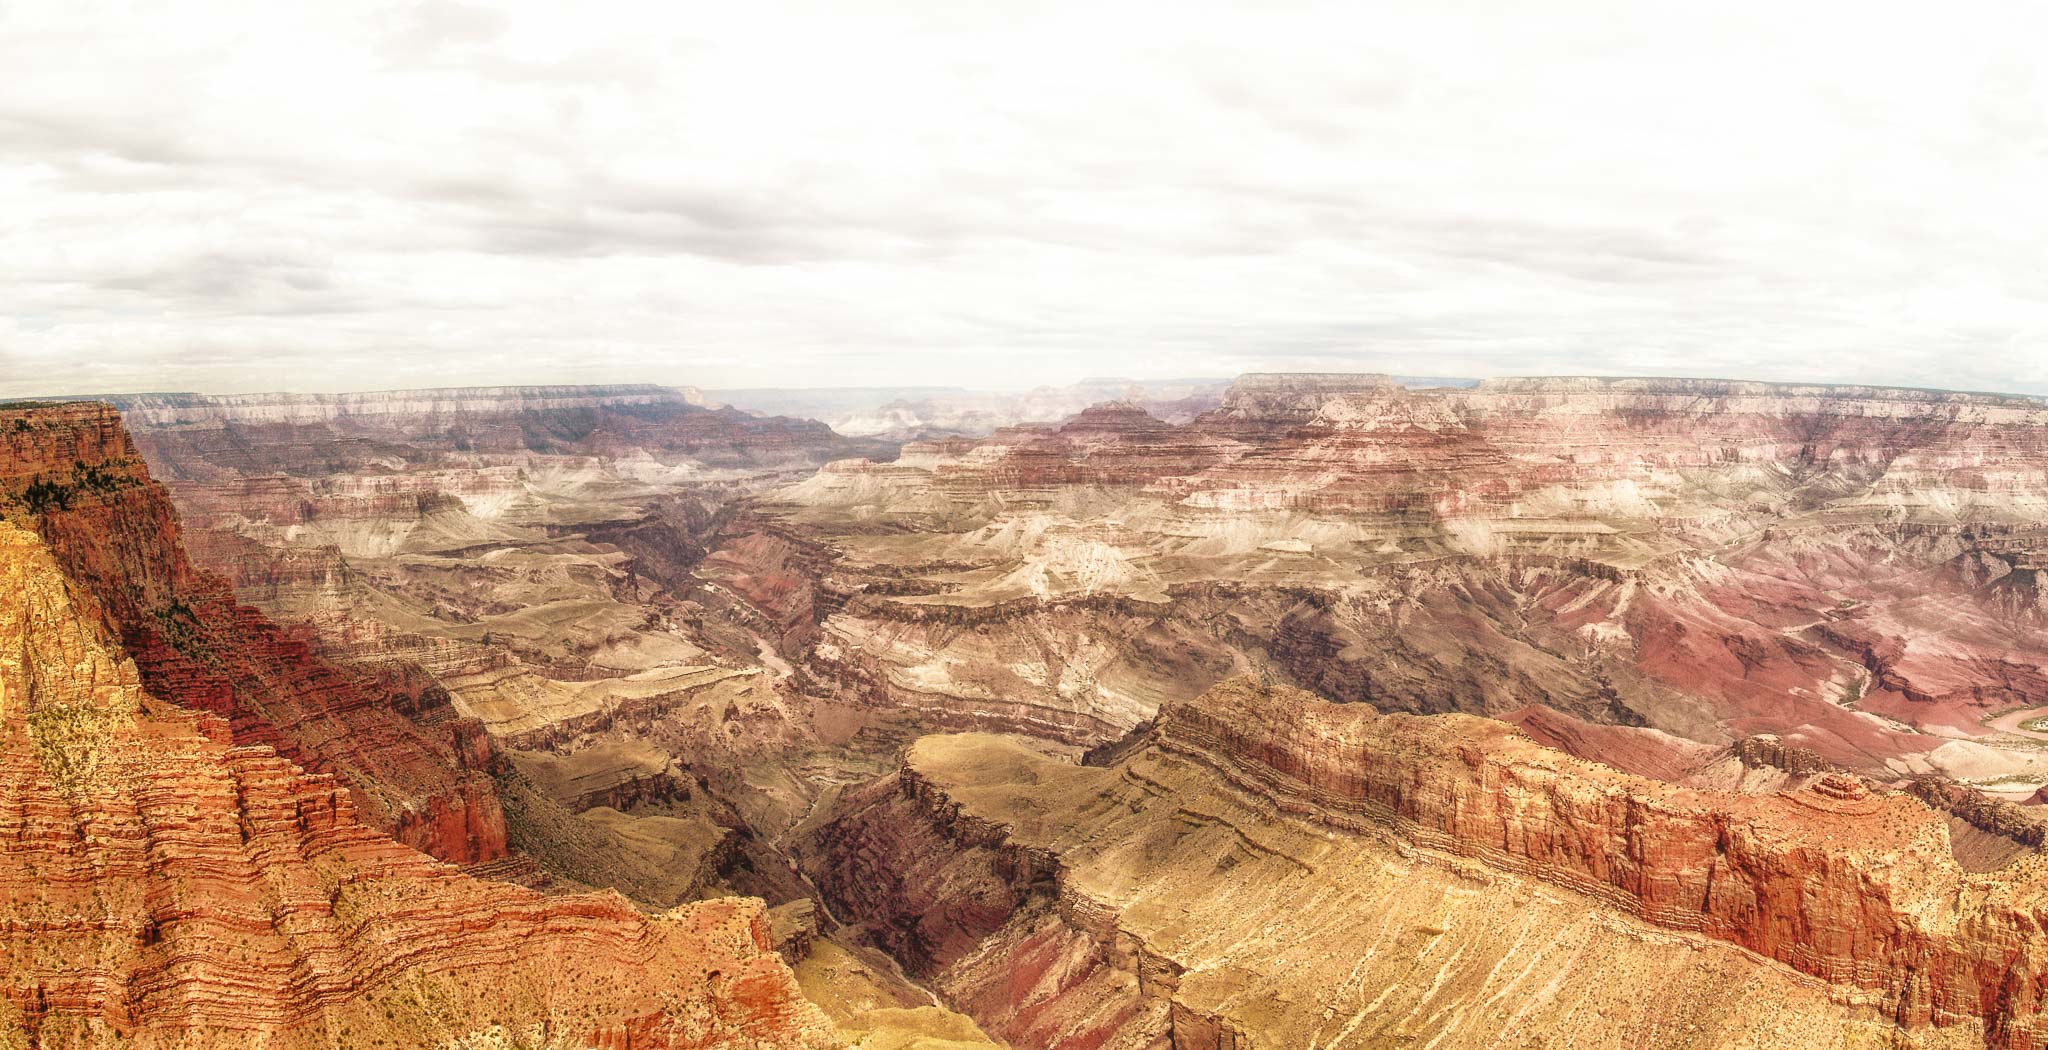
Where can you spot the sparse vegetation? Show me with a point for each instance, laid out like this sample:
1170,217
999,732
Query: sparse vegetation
179,624
43,494
498,1037
71,740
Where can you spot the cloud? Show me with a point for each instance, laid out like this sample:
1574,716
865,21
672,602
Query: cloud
238,196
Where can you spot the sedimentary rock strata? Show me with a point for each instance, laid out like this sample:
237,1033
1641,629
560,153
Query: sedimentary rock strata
168,885
1798,629
501,584
1850,568
529,556
78,481
1269,869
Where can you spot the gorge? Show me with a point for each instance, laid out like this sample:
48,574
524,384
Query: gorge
1303,711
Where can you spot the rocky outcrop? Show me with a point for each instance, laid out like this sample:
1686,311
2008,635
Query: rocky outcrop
1259,827
984,918
1767,750
164,883
113,530
2007,820
1854,888
1258,403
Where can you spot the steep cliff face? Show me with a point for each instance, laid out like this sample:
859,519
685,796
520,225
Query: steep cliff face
1268,869
1858,889
74,477
167,884
539,557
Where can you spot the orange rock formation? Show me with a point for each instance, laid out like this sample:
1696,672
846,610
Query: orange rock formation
1215,885
163,885
73,472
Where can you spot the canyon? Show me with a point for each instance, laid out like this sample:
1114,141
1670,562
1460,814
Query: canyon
1303,711
1266,868
172,879
1853,570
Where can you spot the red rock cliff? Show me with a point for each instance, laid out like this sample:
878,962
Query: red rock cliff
1857,889
162,884
71,472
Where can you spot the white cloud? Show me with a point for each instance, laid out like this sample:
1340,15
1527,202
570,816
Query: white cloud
232,197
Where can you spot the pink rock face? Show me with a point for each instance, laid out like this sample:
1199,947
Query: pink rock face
774,576
1645,752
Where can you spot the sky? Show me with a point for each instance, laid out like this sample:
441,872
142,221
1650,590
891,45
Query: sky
225,197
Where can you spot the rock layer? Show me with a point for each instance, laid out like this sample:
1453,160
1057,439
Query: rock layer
73,473
166,885
1269,869
1853,569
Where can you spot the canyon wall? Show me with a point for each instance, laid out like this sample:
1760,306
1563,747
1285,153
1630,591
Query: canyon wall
503,570
1263,868
77,480
1858,889
167,883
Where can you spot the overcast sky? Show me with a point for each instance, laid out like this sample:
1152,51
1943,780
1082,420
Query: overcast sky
219,197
